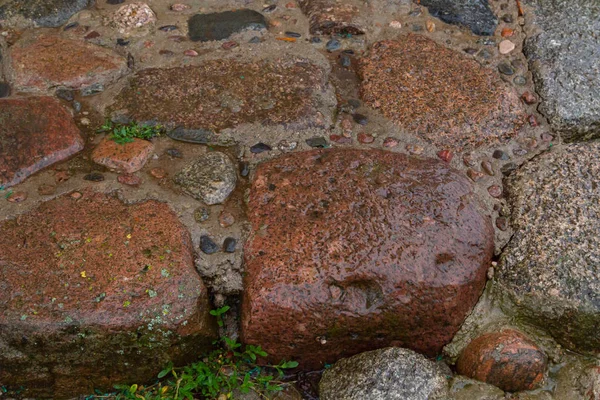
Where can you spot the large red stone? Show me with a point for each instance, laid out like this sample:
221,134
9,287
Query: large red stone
35,132
94,292
439,94
506,359
41,62
356,250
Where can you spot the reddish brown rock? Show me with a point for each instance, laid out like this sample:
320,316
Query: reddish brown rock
42,62
442,95
127,157
222,94
129,180
354,250
505,359
92,287
35,132
329,16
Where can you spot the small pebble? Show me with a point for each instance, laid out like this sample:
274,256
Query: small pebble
474,175
17,197
445,155
506,46
365,138
500,155
396,24
129,180
71,26
415,13
340,139
360,119
92,35
507,32
345,61
284,145
168,28
508,18
201,214
414,149
260,148
487,167
122,42
76,195
507,169
292,34
158,173
470,50
529,98
502,223
226,219
173,152
506,69
190,53
390,142
317,142
495,191
519,152
84,121
76,106
532,120
469,160
269,8
244,169
167,53
229,245
4,89
430,25
229,45
94,177
65,94
520,80
46,190
333,45
207,245
179,7
485,53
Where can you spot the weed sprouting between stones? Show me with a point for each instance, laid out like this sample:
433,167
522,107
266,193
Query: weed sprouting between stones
125,133
216,376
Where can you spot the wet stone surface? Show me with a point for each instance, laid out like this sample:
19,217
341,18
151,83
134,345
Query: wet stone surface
218,26
35,132
127,157
44,13
474,14
334,245
44,61
223,94
561,48
102,286
444,96
506,359
386,374
549,270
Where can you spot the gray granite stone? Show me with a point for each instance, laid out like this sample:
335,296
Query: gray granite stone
474,14
44,13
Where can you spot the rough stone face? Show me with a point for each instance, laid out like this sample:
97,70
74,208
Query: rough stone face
562,48
214,96
463,388
35,132
44,13
211,178
100,286
219,26
507,359
474,14
354,250
441,95
550,271
127,158
42,62
328,16
133,16
386,374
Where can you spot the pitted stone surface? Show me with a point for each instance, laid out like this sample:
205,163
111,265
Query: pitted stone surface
41,62
126,157
35,132
44,13
100,286
474,14
506,359
562,48
224,93
442,95
354,250
550,270
386,374
329,16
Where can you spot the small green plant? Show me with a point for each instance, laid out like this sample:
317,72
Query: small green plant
125,133
215,376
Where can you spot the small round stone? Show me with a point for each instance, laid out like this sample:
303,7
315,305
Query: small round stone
360,119
395,24
506,46
520,80
529,98
226,219
390,142
190,53
495,191
487,167
445,155
17,197
500,155
244,169
129,180
469,160
94,177
207,245
474,175
158,173
201,214
333,45
365,138
76,195
502,223
260,148
506,69
229,245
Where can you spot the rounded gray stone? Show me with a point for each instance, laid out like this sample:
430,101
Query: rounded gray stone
387,374
43,13
211,178
549,273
